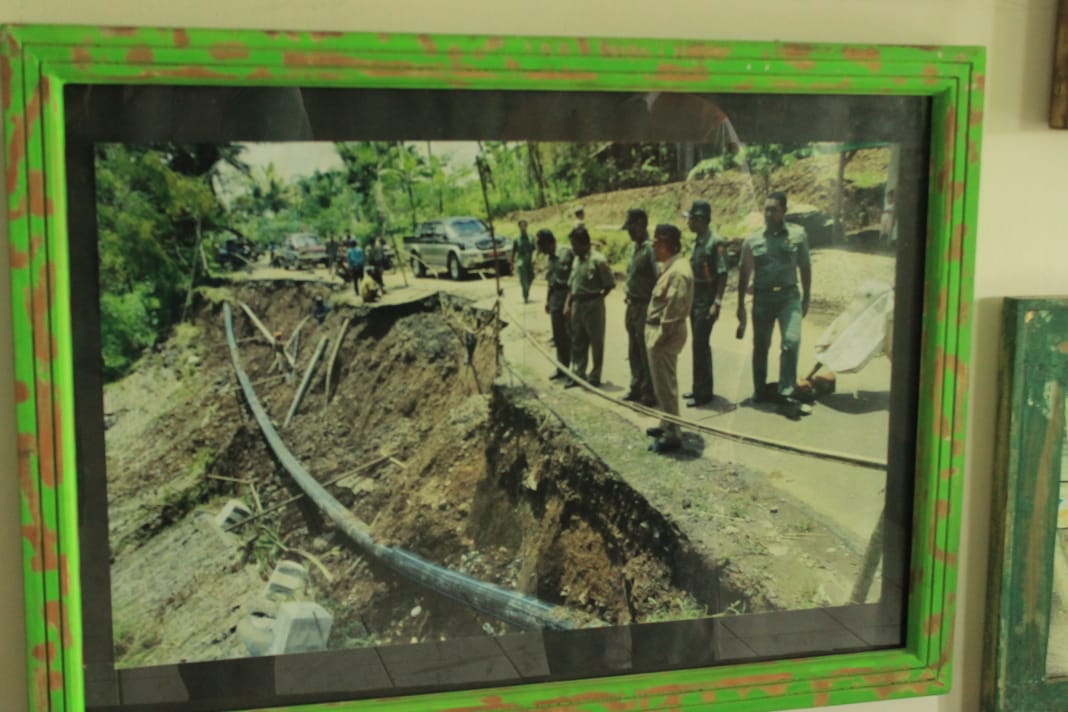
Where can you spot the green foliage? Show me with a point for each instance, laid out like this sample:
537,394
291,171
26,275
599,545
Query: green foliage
679,608
710,167
511,186
577,169
267,546
762,159
128,326
616,247
154,204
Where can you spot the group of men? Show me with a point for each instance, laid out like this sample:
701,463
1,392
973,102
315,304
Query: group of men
370,263
663,291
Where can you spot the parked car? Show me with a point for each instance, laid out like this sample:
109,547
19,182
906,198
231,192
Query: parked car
300,249
235,253
459,245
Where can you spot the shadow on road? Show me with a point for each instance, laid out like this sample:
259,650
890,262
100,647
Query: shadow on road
718,405
693,446
858,402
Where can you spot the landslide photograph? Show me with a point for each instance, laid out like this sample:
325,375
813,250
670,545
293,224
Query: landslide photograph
400,394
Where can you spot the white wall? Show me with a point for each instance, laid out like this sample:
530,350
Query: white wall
1021,228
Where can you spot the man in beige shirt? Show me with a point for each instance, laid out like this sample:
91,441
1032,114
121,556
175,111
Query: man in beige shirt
665,331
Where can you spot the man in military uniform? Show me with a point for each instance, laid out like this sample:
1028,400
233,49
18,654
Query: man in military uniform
557,275
709,266
641,275
775,257
665,331
376,262
523,260
591,280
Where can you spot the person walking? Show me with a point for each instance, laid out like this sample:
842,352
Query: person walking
665,331
775,257
709,266
356,260
376,262
523,260
591,280
641,275
557,275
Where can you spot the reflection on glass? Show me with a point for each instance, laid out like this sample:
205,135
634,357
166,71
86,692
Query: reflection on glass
366,280
795,525
1057,653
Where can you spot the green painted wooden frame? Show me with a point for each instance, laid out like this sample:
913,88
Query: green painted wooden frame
38,61
1034,378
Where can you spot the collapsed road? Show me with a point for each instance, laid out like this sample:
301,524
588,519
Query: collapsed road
485,479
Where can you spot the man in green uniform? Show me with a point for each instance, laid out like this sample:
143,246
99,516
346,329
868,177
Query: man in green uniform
557,274
775,257
709,266
523,260
665,331
376,262
591,280
641,275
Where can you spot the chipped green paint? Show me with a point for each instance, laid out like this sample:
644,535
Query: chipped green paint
35,64
1031,409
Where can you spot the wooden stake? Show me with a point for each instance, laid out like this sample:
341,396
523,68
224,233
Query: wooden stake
333,358
319,564
269,379
266,332
255,496
228,479
294,498
307,379
295,337
259,324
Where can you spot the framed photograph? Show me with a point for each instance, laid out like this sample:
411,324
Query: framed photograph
1026,661
345,374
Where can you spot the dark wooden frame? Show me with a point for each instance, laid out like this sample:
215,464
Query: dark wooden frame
1058,104
1031,429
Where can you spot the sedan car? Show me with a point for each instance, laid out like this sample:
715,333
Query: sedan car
301,249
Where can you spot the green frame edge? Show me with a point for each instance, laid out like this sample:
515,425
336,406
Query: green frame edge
1026,490
37,61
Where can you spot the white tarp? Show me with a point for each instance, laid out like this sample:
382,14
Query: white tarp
863,331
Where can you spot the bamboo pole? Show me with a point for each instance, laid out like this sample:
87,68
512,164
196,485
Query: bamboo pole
307,379
255,496
294,338
294,498
333,358
259,324
266,332
224,478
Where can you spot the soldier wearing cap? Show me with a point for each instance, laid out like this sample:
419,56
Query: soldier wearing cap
709,265
665,331
591,279
774,257
641,275
523,260
557,275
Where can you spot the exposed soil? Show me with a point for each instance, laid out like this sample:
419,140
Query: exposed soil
485,481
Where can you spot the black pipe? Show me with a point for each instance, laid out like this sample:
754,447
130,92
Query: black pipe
509,606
